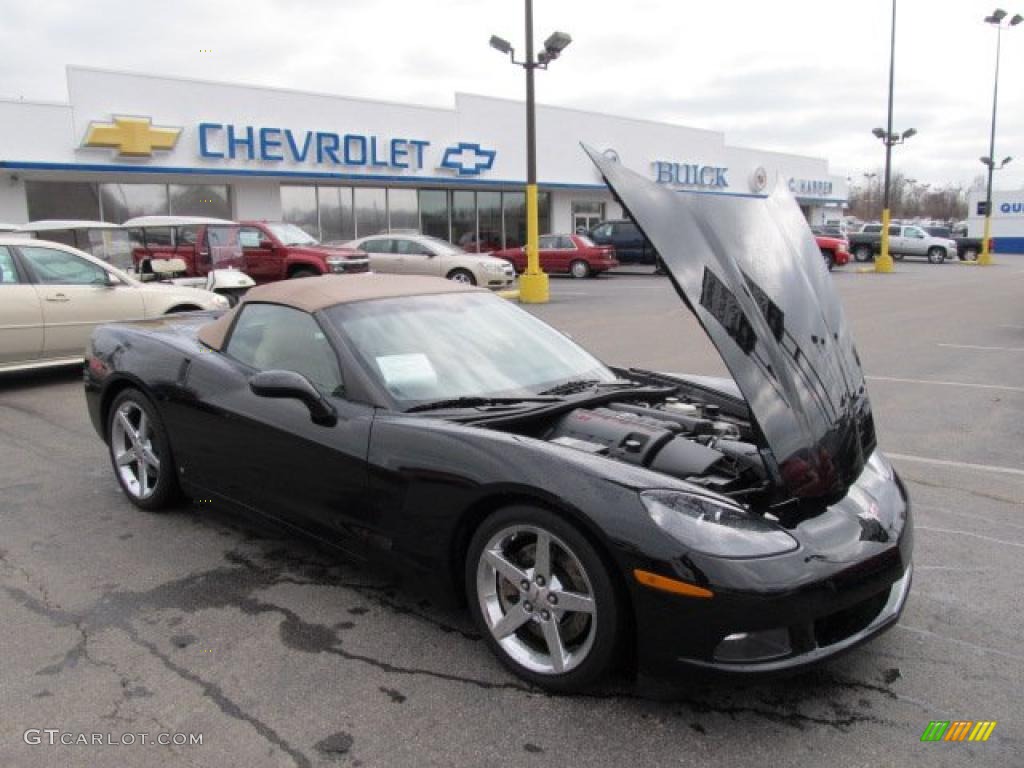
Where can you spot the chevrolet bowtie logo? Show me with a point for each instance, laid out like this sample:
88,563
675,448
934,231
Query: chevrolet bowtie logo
468,159
131,136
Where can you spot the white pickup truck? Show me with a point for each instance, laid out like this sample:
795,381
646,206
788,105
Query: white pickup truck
904,240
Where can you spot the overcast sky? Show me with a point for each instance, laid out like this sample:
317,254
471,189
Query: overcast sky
788,75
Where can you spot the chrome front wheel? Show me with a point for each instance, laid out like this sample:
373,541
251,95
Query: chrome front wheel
543,597
139,451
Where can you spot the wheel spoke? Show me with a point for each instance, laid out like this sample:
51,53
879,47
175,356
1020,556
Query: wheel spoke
143,430
511,621
126,457
573,602
143,477
151,459
506,568
553,640
129,430
542,556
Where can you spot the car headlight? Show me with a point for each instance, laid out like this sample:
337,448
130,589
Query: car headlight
220,302
881,466
715,527
490,266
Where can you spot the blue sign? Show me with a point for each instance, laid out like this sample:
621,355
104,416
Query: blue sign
219,141
690,175
1015,207
468,159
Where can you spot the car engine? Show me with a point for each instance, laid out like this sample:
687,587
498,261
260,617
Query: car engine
690,440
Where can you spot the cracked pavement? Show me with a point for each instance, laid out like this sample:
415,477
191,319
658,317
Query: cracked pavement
282,654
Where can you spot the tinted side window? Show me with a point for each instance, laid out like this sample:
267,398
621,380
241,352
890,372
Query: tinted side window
603,231
376,246
565,243
409,247
894,232
8,274
548,241
272,337
187,235
61,268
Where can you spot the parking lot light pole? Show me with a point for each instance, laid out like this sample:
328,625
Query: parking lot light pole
995,19
533,285
883,263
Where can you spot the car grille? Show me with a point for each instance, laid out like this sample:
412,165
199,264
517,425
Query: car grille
849,621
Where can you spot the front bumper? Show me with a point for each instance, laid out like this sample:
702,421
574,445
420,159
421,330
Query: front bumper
500,282
349,266
818,640
847,582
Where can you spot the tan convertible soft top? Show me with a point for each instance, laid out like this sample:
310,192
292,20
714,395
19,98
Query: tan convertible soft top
313,293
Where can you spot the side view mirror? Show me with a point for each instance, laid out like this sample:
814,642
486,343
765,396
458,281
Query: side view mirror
296,386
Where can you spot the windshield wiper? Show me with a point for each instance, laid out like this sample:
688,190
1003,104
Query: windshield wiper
578,385
476,402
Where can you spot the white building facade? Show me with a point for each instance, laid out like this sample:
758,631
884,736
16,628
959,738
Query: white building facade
1007,218
127,145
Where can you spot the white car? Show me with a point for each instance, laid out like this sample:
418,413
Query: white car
52,295
425,255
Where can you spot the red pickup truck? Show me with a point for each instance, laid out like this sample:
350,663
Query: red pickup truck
275,250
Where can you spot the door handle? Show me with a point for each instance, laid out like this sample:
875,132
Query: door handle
58,297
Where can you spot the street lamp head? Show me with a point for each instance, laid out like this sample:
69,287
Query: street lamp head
986,161
997,16
878,133
909,133
556,43
1005,161
500,44
1017,19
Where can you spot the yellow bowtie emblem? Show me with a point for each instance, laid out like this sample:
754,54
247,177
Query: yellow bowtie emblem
132,136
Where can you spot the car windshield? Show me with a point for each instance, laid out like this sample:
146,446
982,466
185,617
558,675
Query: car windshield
289,234
464,345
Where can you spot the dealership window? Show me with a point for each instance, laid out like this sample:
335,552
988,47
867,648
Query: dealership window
212,200
337,221
586,214
298,207
463,217
434,212
371,211
62,200
126,201
403,212
488,205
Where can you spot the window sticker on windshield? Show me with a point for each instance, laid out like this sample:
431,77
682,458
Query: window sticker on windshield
410,370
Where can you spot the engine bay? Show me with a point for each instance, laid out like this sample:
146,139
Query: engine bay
678,436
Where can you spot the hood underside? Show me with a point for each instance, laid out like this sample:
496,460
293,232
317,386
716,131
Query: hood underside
750,270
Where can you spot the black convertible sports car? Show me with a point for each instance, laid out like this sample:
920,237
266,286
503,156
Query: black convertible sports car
588,514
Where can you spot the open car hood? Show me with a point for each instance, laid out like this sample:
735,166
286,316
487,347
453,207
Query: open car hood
749,269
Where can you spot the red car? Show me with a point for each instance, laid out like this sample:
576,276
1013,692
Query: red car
574,254
835,250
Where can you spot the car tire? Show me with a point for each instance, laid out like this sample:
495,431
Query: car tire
517,609
936,255
140,452
897,256
970,254
863,253
830,259
579,269
303,272
462,276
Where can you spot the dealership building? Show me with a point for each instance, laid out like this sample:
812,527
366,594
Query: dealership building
127,145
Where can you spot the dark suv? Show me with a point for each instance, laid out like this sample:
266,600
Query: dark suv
631,247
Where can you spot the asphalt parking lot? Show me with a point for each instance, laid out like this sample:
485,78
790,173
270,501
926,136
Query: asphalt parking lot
198,622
